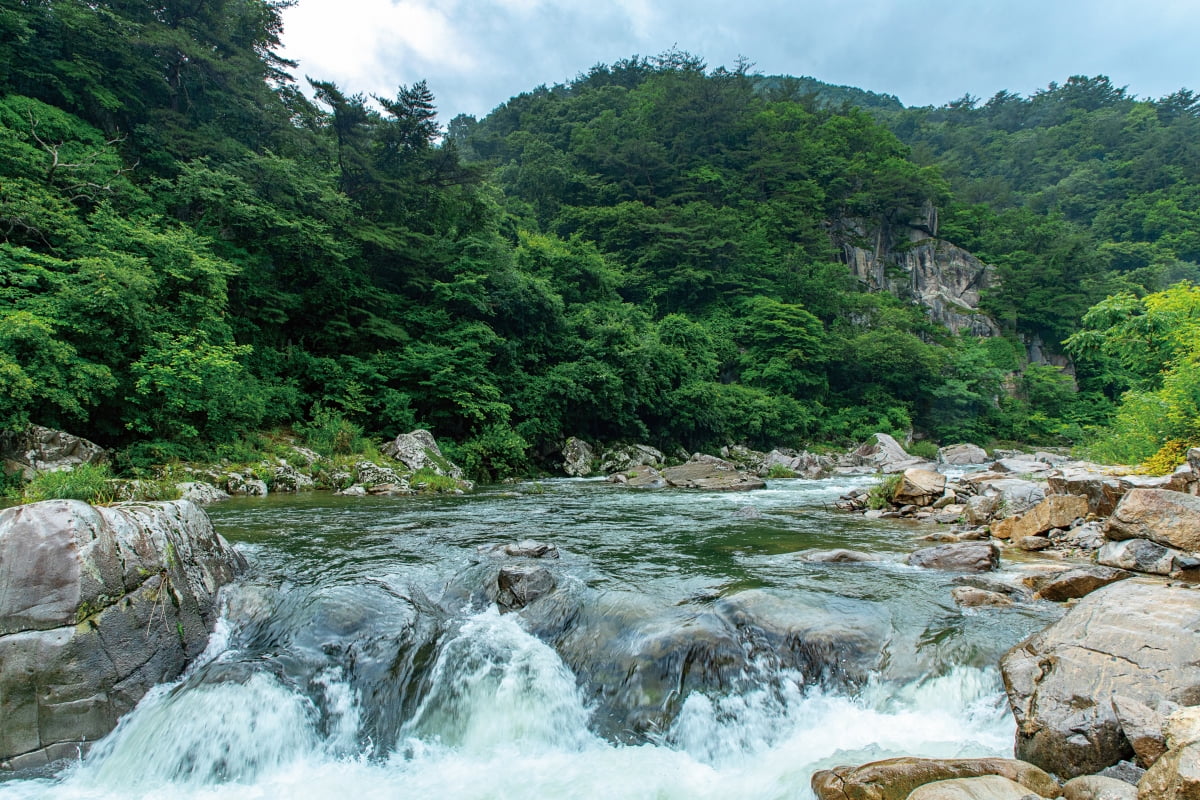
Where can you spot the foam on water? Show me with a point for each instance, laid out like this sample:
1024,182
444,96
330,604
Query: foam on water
502,717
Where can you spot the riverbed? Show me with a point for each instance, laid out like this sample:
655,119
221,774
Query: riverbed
361,658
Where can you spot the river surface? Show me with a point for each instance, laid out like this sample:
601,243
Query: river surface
360,657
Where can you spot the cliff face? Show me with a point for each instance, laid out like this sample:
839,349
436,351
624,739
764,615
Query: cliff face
945,280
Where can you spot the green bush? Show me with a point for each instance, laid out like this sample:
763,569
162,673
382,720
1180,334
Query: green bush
780,471
91,483
923,448
331,434
880,495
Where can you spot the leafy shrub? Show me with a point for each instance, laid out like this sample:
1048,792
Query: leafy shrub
91,483
426,480
497,453
923,448
780,471
331,434
880,495
1168,457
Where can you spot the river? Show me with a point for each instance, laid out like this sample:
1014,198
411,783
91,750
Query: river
359,658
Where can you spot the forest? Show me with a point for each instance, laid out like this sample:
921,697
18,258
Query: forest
197,246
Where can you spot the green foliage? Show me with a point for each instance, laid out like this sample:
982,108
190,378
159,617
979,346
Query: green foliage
92,483
923,448
330,433
880,495
425,480
496,453
780,471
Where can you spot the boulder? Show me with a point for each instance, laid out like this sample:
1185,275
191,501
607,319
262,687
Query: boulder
957,556
836,556
1182,726
1015,495
200,492
1020,466
1142,727
1102,492
1139,555
962,455
710,474
985,787
639,477
1137,639
419,450
37,449
974,597
578,457
881,453
625,457
1175,776
979,509
370,475
98,605
1097,787
896,778
1171,519
526,548
804,465
521,584
1078,582
1056,511
289,479
919,487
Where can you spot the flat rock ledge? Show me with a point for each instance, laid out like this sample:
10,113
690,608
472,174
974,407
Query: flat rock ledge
97,605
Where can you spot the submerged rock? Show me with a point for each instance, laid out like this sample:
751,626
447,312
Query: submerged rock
958,556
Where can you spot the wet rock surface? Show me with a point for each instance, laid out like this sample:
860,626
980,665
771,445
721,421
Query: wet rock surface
97,605
1135,638
896,778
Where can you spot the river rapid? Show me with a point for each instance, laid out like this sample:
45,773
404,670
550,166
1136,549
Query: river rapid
359,658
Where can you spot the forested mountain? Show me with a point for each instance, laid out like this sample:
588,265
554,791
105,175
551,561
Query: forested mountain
191,249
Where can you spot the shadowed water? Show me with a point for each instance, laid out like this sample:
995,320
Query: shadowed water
685,653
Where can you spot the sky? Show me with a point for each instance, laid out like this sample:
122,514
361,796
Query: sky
476,54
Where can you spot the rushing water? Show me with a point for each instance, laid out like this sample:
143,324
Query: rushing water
356,660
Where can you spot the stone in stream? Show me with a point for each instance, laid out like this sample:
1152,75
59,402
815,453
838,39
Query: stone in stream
521,584
960,455
984,787
1134,638
836,556
711,474
97,605
1077,582
1143,728
578,457
1175,776
1171,519
973,597
526,548
1139,555
959,556
897,778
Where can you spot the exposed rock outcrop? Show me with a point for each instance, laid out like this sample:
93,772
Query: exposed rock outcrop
958,556
97,605
961,455
578,457
38,449
1138,639
419,450
1171,519
711,474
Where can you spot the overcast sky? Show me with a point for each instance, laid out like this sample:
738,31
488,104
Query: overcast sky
475,54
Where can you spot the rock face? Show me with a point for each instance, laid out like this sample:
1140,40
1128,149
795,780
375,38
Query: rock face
1171,519
1134,639
97,605
958,556
944,279
1139,555
896,778
419,450
1056,511
881,453
1078,582
578,457
38,449
1103,492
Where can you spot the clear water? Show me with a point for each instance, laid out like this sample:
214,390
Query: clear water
356,660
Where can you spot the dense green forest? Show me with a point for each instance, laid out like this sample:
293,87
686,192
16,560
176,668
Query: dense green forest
194,246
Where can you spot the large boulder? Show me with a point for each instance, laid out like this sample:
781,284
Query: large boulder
882,453
1138,555
1014,495
1102,491
1175,776
37,449
1098,787
1056,511
1169,518
97,605
920,487
985,787
896,778
710,474
577,456
958,557
1078,582
1136,639
962,455
419,450
625,457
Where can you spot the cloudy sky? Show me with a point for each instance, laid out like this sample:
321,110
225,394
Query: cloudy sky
475,54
